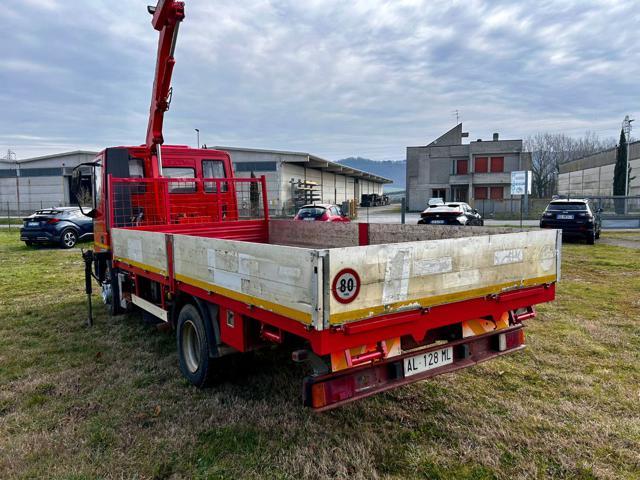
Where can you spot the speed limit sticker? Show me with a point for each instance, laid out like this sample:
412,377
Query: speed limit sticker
346,285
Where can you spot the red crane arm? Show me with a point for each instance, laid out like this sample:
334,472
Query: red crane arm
167,15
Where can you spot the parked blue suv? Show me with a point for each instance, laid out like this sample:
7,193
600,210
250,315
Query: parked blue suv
63,225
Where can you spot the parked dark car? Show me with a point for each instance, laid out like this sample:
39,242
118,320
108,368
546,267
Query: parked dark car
62,225
374,200
321,212
451,213
575,217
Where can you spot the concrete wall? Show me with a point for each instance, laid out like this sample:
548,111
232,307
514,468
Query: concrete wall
596,181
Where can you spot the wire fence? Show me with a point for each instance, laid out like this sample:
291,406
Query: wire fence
12,213
171,201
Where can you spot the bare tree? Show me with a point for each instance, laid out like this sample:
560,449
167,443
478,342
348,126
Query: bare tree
550,150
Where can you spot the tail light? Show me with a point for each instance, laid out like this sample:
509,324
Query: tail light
332,391
324,217
509,340
52,221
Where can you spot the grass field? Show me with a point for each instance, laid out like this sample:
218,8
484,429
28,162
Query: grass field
109,401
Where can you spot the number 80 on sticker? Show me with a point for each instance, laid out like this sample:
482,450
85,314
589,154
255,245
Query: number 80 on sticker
346,285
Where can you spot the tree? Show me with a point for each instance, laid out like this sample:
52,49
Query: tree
550,150
619,177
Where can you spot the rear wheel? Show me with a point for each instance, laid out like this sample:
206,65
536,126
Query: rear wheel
111,291
193,347
68,239
28,243
591,238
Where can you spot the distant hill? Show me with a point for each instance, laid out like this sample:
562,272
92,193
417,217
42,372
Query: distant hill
391,169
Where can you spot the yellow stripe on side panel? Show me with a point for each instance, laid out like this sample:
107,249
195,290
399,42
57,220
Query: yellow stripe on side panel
101,245
249,299
143,266
361,314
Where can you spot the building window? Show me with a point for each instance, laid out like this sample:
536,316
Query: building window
439,193
497,165
462,167
497,193
480,193
482,165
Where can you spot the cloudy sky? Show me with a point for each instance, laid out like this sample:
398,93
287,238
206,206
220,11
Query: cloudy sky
335,78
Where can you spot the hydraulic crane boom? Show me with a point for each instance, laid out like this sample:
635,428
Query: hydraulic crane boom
167,15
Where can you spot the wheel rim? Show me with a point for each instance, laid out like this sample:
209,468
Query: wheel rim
191,346
69,239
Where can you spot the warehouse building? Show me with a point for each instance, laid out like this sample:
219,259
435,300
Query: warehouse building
40,182
593,175
297,178
293,178
478,173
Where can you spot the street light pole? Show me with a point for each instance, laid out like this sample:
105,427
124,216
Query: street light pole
626,125
197,137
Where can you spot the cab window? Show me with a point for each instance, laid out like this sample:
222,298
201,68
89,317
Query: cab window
136,168
213,169
180,172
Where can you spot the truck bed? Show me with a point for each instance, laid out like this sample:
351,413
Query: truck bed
289,267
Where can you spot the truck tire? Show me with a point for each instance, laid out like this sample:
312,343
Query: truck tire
193,347
112,297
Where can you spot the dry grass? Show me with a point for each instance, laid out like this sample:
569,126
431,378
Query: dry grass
109,401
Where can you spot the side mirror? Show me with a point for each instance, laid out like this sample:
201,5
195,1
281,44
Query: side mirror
76,182
81,189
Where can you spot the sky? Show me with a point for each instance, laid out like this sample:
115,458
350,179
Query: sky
334,78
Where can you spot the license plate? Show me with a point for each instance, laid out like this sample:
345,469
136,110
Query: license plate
439,222
309,219
33,224
428,361
565,217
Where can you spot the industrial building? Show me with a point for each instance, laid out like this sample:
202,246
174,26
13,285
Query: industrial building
593,175
478,173
40,182
296,178
293,178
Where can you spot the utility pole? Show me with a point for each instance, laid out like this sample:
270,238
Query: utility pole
197,137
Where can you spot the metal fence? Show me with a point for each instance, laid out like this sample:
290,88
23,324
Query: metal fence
510,208
12,213
617,205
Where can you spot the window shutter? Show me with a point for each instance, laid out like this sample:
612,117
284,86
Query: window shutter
497,164
482,164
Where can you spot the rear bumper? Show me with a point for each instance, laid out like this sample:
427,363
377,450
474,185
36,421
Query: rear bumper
429,221
332,390
570,229
38,236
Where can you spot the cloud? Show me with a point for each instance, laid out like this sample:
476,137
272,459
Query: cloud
336,78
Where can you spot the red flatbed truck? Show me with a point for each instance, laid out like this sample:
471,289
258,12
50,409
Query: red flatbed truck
375,306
